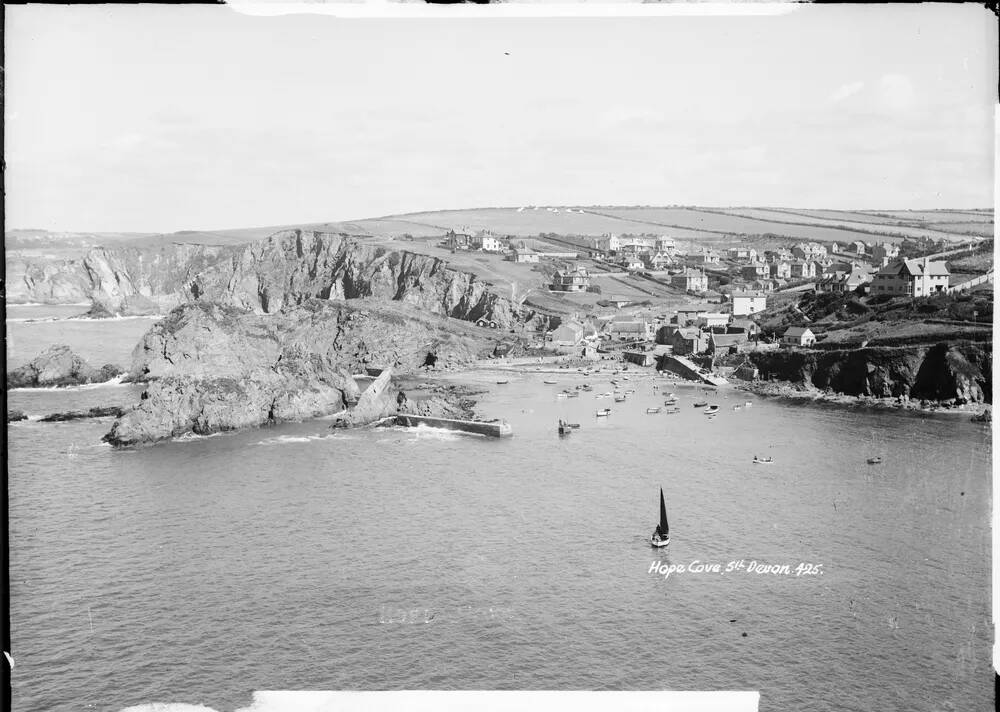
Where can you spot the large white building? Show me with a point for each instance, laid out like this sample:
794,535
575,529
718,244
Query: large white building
914,278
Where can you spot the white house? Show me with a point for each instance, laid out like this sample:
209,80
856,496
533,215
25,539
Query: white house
914,278
746,303
798,336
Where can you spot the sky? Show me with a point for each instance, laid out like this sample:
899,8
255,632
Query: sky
156,118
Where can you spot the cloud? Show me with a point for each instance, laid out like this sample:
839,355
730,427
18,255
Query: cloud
845,91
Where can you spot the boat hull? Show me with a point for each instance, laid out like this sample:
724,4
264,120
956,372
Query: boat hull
494,429
659,544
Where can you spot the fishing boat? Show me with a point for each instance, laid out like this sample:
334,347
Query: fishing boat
573,425
874,460
712,410
561,395
619,399
672,411
549,383
700,404
652,410
502,383
603,413
762,461
670,401
661,535
564,428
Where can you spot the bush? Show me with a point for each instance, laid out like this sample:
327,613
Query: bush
594,289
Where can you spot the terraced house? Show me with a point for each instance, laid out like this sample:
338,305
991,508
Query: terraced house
914,278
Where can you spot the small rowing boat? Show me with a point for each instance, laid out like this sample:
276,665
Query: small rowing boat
652,410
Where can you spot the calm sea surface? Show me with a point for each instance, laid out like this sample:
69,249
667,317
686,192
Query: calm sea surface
299,558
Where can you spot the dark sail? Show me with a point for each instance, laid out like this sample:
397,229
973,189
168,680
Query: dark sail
663,527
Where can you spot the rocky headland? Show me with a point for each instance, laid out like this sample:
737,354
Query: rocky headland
59,366
945,375
214,367
265,276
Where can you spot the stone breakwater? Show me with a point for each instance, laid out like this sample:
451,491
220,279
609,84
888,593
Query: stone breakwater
214,367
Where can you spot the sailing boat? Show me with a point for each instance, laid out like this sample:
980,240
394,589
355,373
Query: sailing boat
661,535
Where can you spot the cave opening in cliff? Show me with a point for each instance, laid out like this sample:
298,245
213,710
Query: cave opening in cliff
430,359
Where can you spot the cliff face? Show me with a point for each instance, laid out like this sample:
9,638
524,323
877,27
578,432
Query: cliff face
112,277
216,367
296,265
265,276
955,372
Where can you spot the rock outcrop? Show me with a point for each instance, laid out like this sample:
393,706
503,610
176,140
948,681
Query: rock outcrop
957,373
59,366
379,400
95,412
297,265
215,367
14,416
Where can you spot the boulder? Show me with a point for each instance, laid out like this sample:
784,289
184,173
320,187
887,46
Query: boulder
15,415
59,366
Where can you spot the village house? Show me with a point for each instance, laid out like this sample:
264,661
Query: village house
808,250
691,280
523,254
688,316
666,244
637,244
707,320
798,336
657,261
748,326
632,263
761,285
743,254
834,247
689,340
857,247
884,252
457,240
628,328
802,269
487,242
705,256
746,303
914,278
569,333
754,270
608,242
843,281
781,269
726,343
778,254
570,280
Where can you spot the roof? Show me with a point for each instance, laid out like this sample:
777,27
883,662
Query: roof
743,322
729,339
753,295
797,331
916,268
636,326
689,332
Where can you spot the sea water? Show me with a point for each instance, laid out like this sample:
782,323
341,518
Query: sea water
297,557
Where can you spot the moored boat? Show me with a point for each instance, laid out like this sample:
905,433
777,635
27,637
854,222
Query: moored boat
549,382
652,410
619,399
564,428
502,383
874,460
762,461
672,411
603,413
700,404
711,410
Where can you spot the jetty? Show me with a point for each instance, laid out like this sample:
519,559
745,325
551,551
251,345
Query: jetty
491,428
